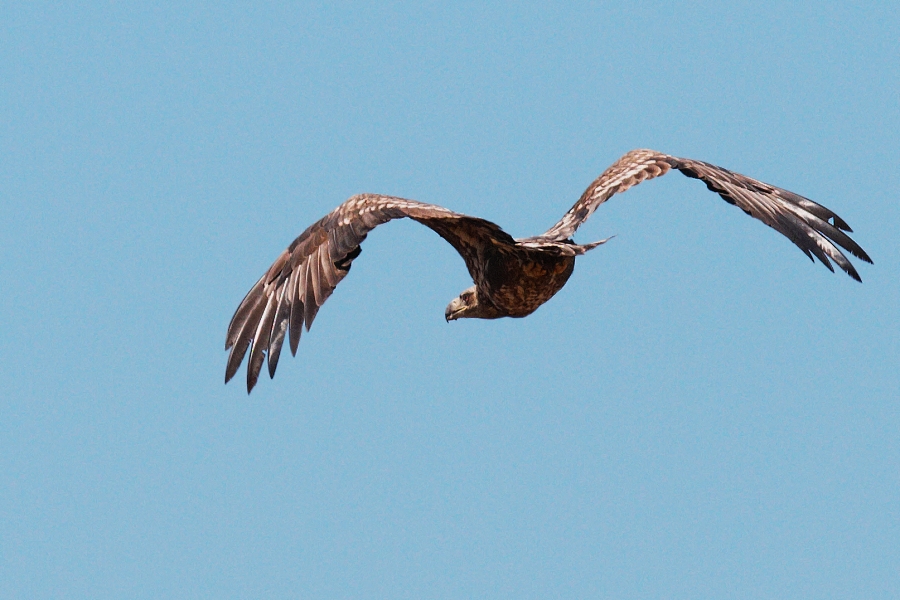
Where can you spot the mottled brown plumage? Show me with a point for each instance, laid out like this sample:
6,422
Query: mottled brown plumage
512,277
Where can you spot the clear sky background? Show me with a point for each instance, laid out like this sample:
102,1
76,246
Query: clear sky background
700,413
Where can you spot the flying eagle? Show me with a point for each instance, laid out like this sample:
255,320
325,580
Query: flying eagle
513,277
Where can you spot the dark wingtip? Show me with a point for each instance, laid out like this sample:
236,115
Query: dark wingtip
252,378
229,372
276,338
310,309
840,223
254,366
295,329
253,369
272,357
234,362
851,271
272,364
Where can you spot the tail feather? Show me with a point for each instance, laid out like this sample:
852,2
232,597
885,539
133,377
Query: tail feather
582,248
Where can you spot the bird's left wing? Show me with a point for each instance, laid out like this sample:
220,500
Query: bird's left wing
812,227
291,291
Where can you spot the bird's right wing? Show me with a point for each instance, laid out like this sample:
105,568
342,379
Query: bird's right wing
291,291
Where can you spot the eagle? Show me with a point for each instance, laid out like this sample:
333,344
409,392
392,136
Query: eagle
512,277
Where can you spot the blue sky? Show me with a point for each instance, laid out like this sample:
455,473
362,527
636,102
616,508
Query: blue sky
701,412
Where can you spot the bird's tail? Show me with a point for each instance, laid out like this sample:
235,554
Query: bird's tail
582,248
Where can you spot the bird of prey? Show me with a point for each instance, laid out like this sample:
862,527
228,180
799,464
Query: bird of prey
512,277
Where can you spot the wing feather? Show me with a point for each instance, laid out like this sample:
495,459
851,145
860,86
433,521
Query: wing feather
314,278
279,328
243,334
260,342
296,326
310,308
327,271
241,314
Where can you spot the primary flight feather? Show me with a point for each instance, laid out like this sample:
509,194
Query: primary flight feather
512,277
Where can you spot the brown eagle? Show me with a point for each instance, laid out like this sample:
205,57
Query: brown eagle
513,277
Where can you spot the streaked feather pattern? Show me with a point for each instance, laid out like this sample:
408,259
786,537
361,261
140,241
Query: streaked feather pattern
303,277
512,277
799,219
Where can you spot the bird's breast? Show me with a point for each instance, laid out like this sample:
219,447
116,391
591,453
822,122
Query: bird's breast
519,285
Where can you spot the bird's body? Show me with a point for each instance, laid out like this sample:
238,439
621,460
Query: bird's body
513,277
516,280
526,280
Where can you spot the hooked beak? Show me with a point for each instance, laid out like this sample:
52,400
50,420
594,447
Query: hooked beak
454,309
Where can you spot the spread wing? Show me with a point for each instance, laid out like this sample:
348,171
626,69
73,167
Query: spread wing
816,230
293,289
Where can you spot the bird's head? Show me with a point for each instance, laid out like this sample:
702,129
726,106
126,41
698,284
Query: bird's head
466,306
